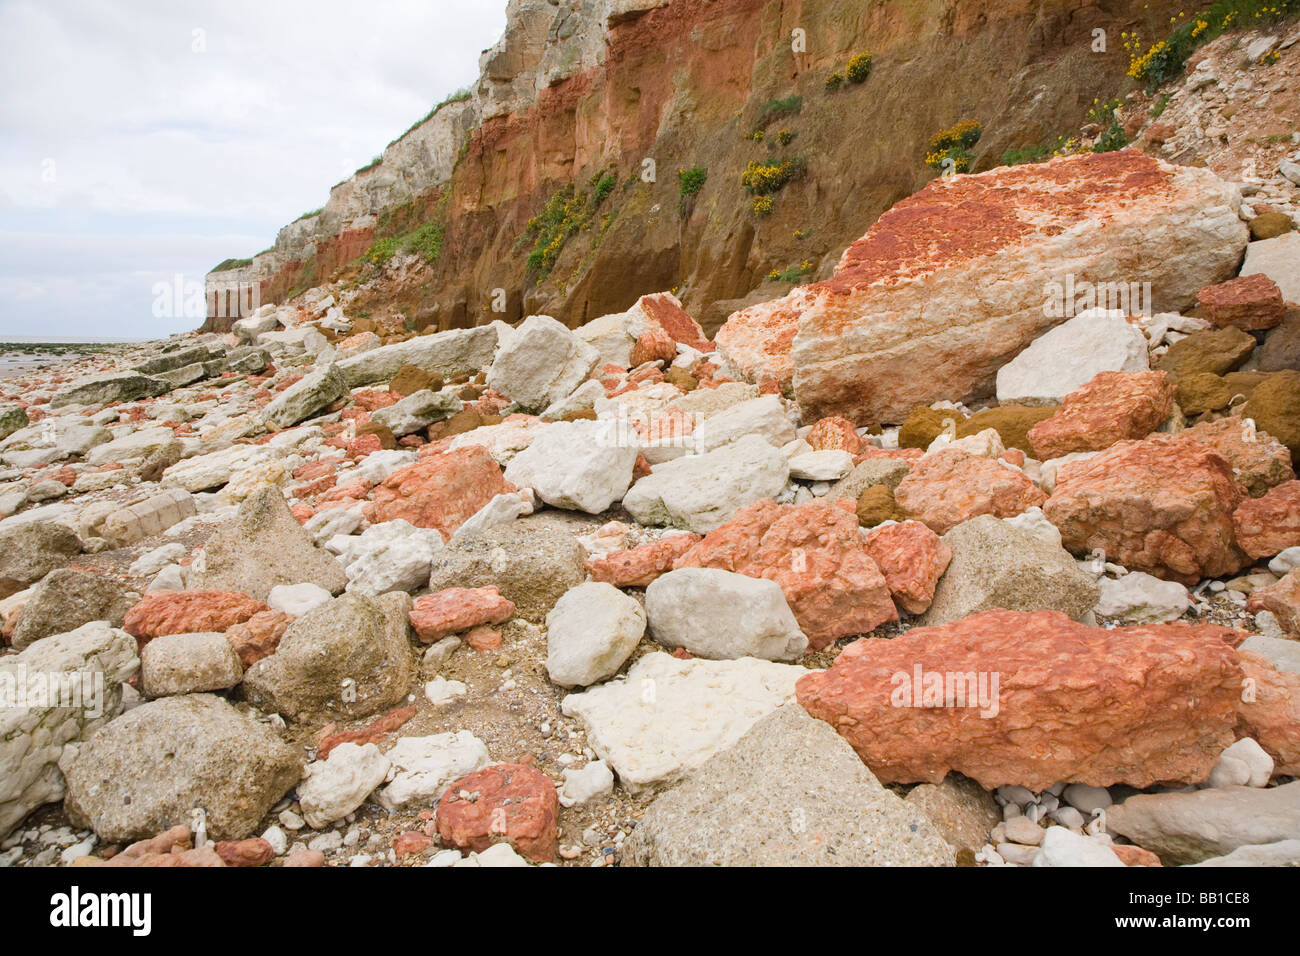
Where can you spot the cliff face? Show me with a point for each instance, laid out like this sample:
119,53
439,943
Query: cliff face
577,90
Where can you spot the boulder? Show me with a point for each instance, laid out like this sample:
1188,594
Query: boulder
1070,356
452,610
541,363
450,354
1219,351
333,788
590,632
163,612
35,725
582,466
1268,525
188,664
424,766
67,598
996,565
502,803
817,556
1029,699
867,474
637,567
1280,351
961,810
156,766
1162,505
913,559
1259,461
1111,407
108,387
1279,259
390,556
263,547
1140,598
348,658
701,492
1252,303
720,615
790,792
29,550
1282,600
440,491
1275,407
1011,422
764,416
416,411
948,487
1191,827
306,397
1012,242
532,566
670,716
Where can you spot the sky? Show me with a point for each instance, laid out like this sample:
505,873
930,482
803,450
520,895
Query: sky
144,141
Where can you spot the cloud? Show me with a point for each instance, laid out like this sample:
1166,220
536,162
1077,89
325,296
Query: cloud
146,138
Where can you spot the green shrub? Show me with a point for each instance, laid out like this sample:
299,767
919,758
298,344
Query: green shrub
786,137
834,82
859,68
954,144
774,109
692,180
760,179
1026,154
792,274
762,206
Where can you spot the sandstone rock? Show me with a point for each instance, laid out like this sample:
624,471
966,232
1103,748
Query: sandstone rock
1281,348
33,727
948,487
212,470
416,411
663,310
333,788
350,657
1191,827
1199,392
108,387
790,792
1132,705
924,424
448,354
424,766
1252,302
1269,525
913,559
152,516
867,474
531,566
669,716
720,615
1011,422
1282,600
510,802
637,567
817,556
138,444
188,664
1279,259
590,632
151,768
1139,598
583,466
1275,407
12,418
66,599
541,363
1270,714
440,491
452,610
1070,356
164,612
1111,407
876,505
306,397
1270,225
1220,351
32,549
1163,505
259,636
834,434
1259,461
961,810
701,492
899,300
262,548
997,566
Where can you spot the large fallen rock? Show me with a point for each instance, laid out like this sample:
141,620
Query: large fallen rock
449,355
177,664
1190,827
721,615
264,546
440,491
29,550
84,669
306,397
1007,697
67,598
790,792
1270,524
816,554
349,657
590,632
1259,461
541,363
998,566
583,465
954,280
108,387
1161,505
532,566
166,761
1275,408
417,411
503,802
1279,259
669,716
1111,407
948,487
701,492
189,612
1070,355
913,559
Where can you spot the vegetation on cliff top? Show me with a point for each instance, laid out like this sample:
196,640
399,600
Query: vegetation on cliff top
1164,60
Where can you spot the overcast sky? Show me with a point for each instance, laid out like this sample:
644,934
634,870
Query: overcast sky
141,139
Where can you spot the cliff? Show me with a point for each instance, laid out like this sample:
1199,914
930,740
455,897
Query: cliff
610,99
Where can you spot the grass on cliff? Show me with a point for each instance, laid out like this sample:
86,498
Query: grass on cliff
424,241
1165,59
567,212
227,264
950,149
